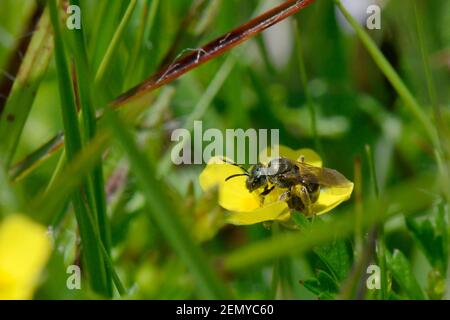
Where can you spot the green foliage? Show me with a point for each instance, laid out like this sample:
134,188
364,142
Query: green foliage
324,286
165,217
337,257
431,235
23,91
92,250
432,239
401,270
139,225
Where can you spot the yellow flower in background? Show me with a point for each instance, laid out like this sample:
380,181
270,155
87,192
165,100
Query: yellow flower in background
24,250
246,207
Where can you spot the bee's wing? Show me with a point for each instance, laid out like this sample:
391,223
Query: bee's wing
323,176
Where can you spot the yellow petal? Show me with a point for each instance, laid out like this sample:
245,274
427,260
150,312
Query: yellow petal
311,157
24,250
273,196
234,196
216,172
330,198
275,211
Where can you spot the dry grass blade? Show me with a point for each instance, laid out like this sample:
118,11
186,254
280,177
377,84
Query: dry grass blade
23,92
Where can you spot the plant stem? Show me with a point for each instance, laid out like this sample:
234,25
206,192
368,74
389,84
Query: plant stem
214,48
359,241
191,61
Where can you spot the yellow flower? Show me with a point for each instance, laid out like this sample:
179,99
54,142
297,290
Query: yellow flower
247,208
24,250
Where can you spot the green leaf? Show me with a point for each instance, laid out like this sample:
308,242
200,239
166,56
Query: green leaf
436,285
431,242
323,285
337,256
401,270
327,283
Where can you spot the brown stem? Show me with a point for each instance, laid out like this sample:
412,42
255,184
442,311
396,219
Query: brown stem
185,23
184,64
16,60
213,49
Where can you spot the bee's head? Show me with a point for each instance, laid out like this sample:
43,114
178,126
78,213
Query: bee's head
257,177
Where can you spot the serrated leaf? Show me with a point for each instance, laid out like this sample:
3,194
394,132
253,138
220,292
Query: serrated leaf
323,285
401,270
327,283
312,285
337,256
431,242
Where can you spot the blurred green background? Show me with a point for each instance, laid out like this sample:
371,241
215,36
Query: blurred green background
355,106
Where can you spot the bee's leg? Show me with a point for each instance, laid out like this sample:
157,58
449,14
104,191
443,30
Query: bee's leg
285,196
265,192
306,199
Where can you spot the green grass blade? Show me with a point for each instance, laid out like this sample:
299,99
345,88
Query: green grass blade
8,198
106,61
380,245
442,128
103,29
115,277
84,83
145,25
37,157
91,247
393,77
73,175
160,210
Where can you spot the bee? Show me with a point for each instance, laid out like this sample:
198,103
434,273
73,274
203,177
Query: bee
300,181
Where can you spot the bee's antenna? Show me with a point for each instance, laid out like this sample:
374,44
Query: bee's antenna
237,175
234,164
